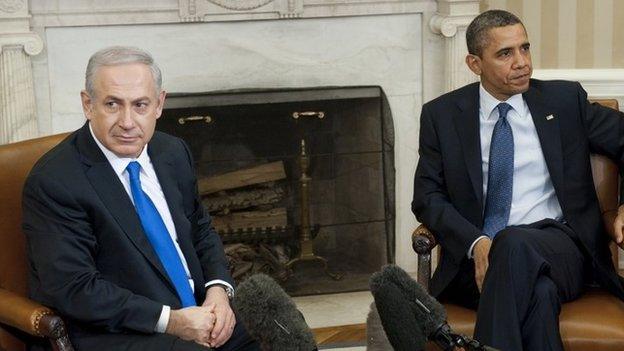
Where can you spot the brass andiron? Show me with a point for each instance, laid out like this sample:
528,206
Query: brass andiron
305,237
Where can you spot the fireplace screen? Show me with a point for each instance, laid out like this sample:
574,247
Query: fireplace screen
299,183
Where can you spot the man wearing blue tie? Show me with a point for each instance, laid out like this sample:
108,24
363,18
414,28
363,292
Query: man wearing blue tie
504,183
118,241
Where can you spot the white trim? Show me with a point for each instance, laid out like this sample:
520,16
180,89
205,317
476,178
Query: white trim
599,83
182,11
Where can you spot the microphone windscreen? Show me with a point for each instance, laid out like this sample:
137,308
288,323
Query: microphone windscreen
430,320
271,316
398,320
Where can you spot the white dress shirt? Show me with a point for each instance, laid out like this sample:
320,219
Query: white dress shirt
151,186
533,196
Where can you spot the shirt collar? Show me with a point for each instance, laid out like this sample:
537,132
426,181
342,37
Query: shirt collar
488,103
119,164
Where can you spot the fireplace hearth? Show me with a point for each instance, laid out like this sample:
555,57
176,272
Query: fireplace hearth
295,180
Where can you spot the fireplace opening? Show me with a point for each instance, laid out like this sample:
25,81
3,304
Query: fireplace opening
299,182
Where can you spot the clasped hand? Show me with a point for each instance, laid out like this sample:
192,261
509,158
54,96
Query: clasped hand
210,324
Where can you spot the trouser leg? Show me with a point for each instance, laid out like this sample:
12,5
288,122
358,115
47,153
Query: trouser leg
540,329
517,289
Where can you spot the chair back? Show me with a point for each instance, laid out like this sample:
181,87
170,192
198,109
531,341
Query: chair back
16,161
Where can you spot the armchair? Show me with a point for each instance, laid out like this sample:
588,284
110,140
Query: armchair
593,322
20,317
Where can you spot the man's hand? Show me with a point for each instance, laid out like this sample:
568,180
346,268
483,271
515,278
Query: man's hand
217,298
480,254
618,225
192,323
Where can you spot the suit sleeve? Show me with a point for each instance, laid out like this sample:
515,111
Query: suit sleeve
605,131
206,240
62,248
432,204
605,128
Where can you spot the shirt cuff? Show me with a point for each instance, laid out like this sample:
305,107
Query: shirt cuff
470,253
163,321
218,281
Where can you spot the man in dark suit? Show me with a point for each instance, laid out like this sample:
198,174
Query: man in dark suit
504,182
118,240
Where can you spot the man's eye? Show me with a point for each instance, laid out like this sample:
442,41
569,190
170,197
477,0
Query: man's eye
111,104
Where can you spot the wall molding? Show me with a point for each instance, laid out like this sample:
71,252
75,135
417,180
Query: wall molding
181,11
599,83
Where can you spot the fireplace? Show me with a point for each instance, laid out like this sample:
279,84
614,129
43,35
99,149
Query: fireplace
296,180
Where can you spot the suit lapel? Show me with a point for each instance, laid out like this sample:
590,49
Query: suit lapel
547,125
467,126
115,198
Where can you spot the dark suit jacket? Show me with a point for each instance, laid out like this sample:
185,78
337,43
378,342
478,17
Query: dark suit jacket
90,259
448,195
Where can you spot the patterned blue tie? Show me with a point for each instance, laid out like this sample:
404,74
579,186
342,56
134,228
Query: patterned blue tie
159,237
500,175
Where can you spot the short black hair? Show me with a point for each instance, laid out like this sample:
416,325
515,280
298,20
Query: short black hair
477,32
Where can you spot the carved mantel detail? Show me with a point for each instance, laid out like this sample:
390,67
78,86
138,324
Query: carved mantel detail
200,10
448,26
32,43
451,21
240,5
11,6
18,113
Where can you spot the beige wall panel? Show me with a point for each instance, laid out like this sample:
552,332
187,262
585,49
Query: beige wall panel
618,34
549,47
533,22
495,4
571,33
515,7
603,33
567,34
585,34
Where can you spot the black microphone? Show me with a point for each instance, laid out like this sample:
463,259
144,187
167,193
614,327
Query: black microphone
399,322
429,314
271,316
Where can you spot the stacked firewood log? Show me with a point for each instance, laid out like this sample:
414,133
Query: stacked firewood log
248,210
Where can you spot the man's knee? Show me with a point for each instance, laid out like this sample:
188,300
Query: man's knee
509,240
514,252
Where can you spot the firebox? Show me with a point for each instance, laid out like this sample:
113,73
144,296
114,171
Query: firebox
299,182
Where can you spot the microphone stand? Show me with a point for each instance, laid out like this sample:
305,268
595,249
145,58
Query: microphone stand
448,341
445,339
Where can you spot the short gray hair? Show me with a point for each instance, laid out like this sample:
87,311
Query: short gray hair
477,34
119,55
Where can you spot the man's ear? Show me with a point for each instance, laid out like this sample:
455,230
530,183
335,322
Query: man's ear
87,104
474,63
161,103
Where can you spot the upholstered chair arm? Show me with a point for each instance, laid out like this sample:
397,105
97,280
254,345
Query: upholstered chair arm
24,314
423,243
608,218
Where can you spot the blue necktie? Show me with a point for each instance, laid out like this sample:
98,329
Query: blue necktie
500,175
159,237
